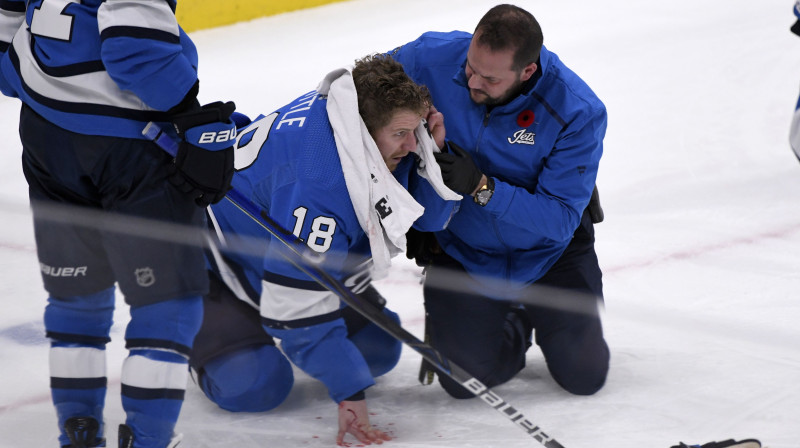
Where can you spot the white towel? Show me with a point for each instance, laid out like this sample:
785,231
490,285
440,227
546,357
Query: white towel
367,177
428,168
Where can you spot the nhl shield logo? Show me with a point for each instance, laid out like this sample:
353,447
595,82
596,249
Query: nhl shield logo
145,277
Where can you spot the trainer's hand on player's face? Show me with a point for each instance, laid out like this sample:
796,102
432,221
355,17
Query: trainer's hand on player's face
354,419
436,126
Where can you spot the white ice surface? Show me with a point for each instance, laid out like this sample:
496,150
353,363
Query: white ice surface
700,247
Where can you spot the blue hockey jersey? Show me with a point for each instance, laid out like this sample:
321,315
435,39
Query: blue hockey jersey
288,164
96,67
542,149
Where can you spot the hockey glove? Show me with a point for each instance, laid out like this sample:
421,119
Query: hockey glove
421,247
749,443
203,167
459,171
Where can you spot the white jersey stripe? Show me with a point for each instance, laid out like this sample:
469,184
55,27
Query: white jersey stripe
9,24
153,14
92,88
283,303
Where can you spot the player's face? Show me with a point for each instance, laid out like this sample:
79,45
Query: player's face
490,76
396,140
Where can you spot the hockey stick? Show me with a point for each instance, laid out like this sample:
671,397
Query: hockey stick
304,262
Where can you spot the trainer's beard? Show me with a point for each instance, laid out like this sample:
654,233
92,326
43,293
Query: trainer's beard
481,97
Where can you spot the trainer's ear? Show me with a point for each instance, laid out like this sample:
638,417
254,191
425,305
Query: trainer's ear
528,71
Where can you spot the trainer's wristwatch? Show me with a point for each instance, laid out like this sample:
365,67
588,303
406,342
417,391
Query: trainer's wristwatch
483,195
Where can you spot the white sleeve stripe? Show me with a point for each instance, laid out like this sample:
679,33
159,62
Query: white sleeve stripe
153,14
9,23
146,373
282,303
87,88
77,362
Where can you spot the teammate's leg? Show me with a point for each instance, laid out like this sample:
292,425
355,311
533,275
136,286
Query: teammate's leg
78,328
155,374
74,269
162,278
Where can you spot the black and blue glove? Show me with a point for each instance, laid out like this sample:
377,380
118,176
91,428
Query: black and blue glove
459,171
203,167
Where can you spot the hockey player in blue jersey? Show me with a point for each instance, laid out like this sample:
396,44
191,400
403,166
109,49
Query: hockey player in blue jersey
349,188
532,137
90,75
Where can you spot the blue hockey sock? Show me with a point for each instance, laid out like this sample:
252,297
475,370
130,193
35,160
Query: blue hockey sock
154,376
79,328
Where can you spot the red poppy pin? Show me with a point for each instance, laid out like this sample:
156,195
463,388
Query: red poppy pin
525,118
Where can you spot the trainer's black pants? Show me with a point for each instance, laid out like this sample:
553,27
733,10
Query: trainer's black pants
489,337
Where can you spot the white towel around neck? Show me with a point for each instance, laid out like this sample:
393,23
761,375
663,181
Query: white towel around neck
369,180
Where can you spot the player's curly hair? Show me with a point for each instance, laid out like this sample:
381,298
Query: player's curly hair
384,88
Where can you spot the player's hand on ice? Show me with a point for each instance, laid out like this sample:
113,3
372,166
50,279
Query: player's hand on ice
354,419
435,121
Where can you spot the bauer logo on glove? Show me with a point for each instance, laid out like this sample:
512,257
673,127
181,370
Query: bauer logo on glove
203,166
207,139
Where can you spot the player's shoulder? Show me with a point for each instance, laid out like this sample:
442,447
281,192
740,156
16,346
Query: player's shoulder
314,149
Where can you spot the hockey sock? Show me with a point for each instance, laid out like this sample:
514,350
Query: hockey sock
78,328
154,376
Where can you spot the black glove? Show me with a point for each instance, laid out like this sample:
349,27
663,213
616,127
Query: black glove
421,247
203,167
459,172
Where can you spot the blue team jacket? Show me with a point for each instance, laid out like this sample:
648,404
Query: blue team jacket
543,150
287,164
96,67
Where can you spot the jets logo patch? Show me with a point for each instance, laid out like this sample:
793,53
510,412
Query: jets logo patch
522,137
